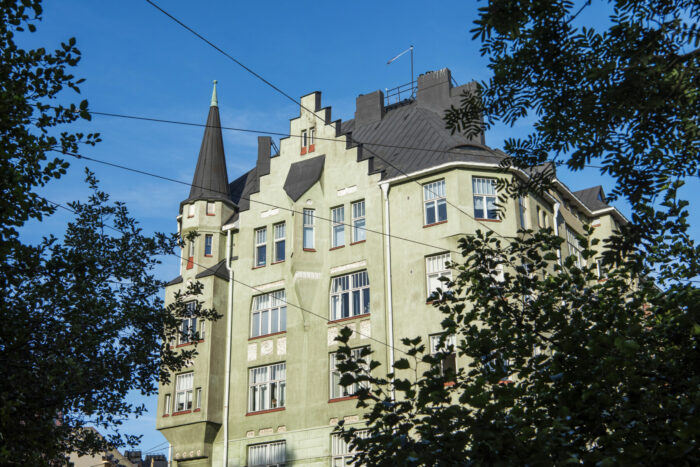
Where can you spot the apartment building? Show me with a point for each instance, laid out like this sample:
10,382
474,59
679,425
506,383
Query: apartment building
349,223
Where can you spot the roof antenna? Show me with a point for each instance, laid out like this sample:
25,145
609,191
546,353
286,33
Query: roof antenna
389,63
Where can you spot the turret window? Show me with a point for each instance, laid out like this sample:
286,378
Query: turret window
211,209
208,240
190,254
260,247
190,210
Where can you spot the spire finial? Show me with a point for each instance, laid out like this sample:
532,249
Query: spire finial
214,101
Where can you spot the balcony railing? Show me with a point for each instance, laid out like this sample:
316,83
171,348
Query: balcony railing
399,93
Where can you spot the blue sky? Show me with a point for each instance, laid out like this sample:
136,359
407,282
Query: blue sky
138,62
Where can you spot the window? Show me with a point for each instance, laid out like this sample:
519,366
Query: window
208,239
485,198
359,234
269,314
435,268
523,212
304,138
338,227
188,326
312,139
190,254
574,246
350,295
198,399
449,361
211,209
190,210
267,455
266,388
183,392
279,242
435,202
341,453
601,268
260,247
338,391
166,405
308,229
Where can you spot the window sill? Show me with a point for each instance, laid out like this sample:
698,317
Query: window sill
312,250
266,335
208,256
278,409
277,262
436,223
341,399
303,151
258,267
181,413
487,220
165,415
348,318
357,243
337,247
185,344
197,410
449,384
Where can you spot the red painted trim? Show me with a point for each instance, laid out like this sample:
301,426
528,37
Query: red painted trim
258,267
211,214
449,384
187,343
278,262
313,250
166,415
348,318
429,302
340,399
436,223
506,381
266,335
312,147
190,262
278,409
357,243
336,247
487,220
197,410
303,150
181,413
190,217
208,256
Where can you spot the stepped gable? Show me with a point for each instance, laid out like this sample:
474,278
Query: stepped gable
210,181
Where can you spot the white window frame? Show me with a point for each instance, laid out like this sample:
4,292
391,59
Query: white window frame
167,404
336,390
183,391
280,235
208,244
190,210
267,454
304,138
338,226
522,207
359,232
191,249
344,289
435,348
268,310
309,221
263,383
341,454
574,246
260,239
198,398
435,200
211,208
484,189
188,325
312,136
436,267
601,269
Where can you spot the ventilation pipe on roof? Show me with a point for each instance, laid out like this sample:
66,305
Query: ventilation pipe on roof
264,153
369,108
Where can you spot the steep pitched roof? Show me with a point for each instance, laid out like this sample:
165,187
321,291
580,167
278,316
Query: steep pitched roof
302,175
593,198
218,270
210,180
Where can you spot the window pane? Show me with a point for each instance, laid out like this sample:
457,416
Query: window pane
491,208
430,213
283,318
279,251
308,237
479,207
275,320
365,301
338,235
359,232
345,311
356,303
264,322
262,253
441,210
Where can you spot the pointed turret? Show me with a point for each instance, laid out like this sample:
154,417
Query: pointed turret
210,180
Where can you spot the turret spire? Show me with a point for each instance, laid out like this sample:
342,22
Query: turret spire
210,181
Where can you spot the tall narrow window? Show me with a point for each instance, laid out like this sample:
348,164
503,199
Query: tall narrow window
198,399
279,242
312,139
166,405
350,295
188,326
269,314
341,453
308,229
449,360
260,247
190,254
523,212
190,210
266,387
601,268
435,268
267,454
211,209
338,227
338,391
574,246
435,202
484,198
183,391
304,142
359,234
208,240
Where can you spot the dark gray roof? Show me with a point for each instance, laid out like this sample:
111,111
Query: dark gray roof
418,140
177,280
219,270
593,198
302,175
244,186
210,180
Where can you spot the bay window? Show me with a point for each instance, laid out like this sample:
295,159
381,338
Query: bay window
435,202
485,198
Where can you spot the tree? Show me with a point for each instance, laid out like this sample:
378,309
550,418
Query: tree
83,324
563,368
